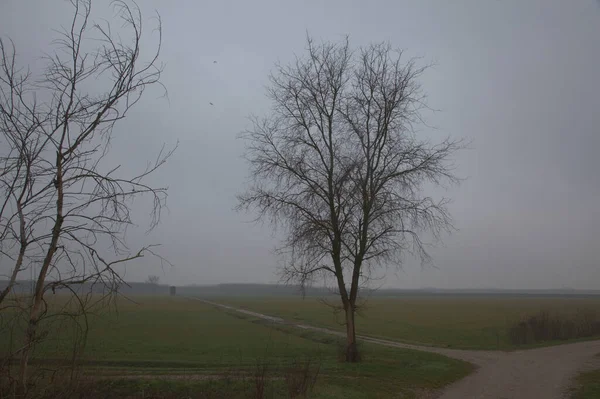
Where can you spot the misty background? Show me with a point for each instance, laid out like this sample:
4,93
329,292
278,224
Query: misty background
519,79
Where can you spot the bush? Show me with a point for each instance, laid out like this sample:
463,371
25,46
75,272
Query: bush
261,380
301,378
546,326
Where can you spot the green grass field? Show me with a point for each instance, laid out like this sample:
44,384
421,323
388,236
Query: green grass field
182,337
588,385
457,322
173,347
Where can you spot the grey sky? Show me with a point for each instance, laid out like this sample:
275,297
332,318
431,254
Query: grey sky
519,78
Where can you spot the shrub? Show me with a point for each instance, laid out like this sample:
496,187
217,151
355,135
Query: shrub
546,326
301,378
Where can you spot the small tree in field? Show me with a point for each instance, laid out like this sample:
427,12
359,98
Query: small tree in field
64,207
153,280
338,164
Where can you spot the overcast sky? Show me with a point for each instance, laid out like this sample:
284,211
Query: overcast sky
519,78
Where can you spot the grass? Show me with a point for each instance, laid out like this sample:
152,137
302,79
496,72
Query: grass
149,389
587,385
457,322
182,337
180,330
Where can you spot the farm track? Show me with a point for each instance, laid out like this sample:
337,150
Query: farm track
544,373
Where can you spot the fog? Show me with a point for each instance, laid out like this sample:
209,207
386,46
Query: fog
518,79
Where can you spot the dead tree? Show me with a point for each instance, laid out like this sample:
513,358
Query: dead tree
339,165
153,281
63,203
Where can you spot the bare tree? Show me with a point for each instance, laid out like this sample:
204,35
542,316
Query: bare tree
152,279
62,201
340,166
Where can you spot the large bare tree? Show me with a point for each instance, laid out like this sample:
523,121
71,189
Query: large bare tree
338,163
62,201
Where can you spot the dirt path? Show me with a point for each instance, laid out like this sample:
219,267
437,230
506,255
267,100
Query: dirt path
543,373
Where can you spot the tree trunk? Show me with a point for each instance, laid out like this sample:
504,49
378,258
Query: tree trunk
37,309
14,274
352,354
22,249
27,348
